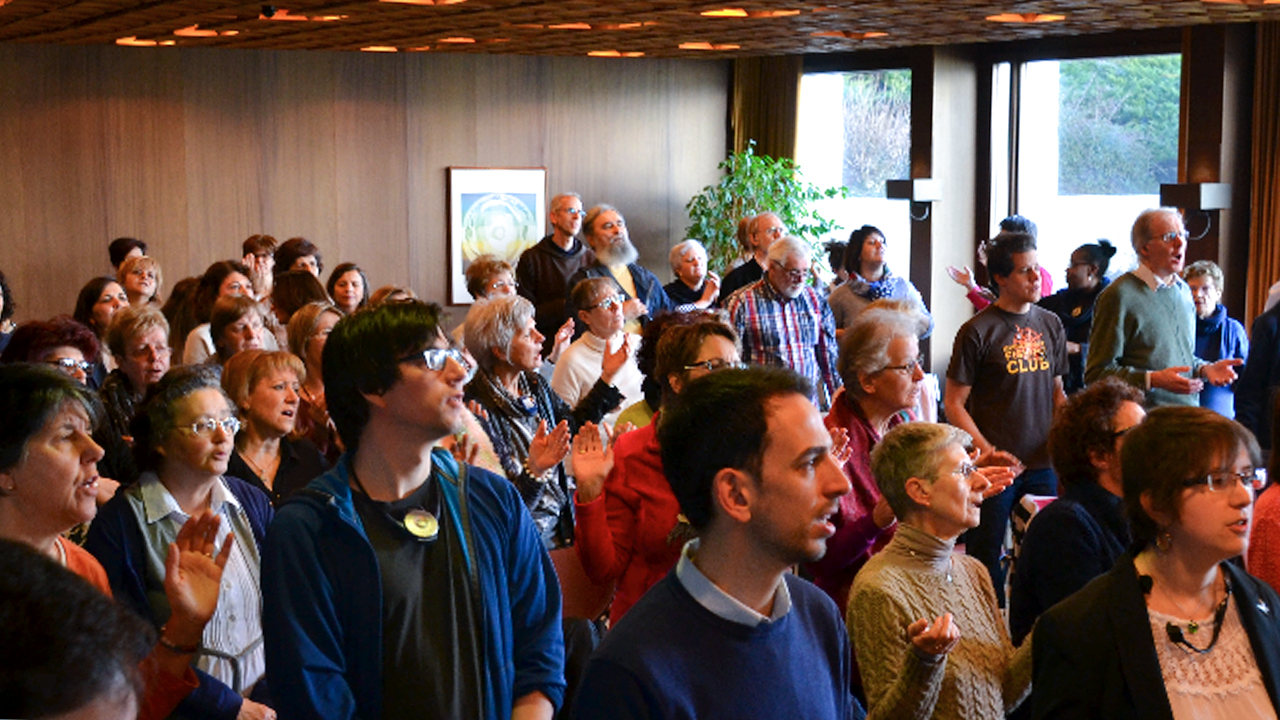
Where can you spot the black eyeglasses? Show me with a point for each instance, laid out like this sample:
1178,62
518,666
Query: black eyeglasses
909,367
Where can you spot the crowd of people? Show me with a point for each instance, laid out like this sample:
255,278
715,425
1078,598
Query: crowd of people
300,498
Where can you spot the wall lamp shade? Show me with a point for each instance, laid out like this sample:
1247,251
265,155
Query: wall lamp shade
1196,196
917,190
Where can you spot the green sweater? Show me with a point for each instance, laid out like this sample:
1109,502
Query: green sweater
1137,330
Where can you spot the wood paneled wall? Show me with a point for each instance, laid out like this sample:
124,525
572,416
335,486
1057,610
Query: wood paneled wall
194,150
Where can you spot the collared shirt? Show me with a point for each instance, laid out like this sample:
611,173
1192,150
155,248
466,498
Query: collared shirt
236,626
721,603
797,333
1144,273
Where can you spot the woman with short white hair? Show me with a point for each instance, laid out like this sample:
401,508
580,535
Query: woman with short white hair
694,284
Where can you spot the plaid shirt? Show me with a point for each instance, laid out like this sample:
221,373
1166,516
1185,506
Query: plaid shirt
796,333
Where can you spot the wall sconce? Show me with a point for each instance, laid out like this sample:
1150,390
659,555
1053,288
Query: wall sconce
1197,197
919,191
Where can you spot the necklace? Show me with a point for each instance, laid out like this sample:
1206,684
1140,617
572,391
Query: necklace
261,470
1176,636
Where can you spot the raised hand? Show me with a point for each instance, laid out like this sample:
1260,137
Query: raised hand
934,639
548,448
841,450
592,461
478,410
193,577
564,336
613,360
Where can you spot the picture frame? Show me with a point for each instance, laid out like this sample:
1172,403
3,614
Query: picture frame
492,210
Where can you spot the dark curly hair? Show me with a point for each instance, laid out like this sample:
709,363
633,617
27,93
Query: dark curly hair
1084,427
292,249
34,339
343,269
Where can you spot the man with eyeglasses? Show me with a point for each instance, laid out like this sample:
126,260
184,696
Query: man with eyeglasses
402,584
606,232
761,232
1144,323
783,321
543,271
1003,383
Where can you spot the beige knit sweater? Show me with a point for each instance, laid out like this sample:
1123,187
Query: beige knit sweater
917,576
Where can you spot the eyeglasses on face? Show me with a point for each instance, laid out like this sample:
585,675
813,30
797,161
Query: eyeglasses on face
437,358
504,285
1172,237
72,365
715,364
208,426
908,368
966,470
1223,482
609,302
795,274
573,212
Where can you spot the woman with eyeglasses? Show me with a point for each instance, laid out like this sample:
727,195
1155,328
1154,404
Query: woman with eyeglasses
49,483
1175,629
879,364
605,346
629,526
265,388
929,638
183,438
528,424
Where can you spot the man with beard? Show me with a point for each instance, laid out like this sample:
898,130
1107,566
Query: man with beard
784,322
605,231
731,632
543,272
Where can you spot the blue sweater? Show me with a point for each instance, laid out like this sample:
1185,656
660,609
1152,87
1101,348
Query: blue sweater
322,598
672,658
1219,337
116,540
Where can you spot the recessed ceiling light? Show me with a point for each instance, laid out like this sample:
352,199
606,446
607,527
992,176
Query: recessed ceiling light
379,48
424,2
707,46
1026,17
195,31
133,41
570,26
614,54
849,34
1244,2
731,12
458,40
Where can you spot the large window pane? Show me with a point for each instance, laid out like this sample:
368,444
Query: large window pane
1096,138
855,130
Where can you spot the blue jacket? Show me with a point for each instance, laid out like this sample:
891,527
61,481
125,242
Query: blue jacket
648,288
116,540
1260,378
322,598
1219,337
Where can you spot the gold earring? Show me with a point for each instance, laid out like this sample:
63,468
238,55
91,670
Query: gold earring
1164,541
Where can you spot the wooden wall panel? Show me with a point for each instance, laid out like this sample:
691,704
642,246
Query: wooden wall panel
193,150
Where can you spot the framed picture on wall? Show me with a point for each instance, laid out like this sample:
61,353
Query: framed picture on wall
492,211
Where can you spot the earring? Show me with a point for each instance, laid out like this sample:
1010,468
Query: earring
1164,541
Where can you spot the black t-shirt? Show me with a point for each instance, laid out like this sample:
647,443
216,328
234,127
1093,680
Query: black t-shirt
432,649
1010,362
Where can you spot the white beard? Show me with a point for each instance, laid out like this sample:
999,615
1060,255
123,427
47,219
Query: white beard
618,253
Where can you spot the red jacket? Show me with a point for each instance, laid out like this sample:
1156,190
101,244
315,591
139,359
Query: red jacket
623,534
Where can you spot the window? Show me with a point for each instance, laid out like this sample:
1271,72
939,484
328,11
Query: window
866,115
1095,139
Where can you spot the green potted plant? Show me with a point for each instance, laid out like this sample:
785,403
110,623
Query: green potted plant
753,184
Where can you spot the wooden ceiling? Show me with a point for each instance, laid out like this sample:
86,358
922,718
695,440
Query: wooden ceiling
654,28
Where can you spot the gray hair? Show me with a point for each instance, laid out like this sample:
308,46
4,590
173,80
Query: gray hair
594,213
677,252
1141,233
492,324
555,201
911,450
864,347
157,417
1204,268
785,247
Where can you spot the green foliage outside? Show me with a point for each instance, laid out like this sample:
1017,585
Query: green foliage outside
877,130
753,184
1118,124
